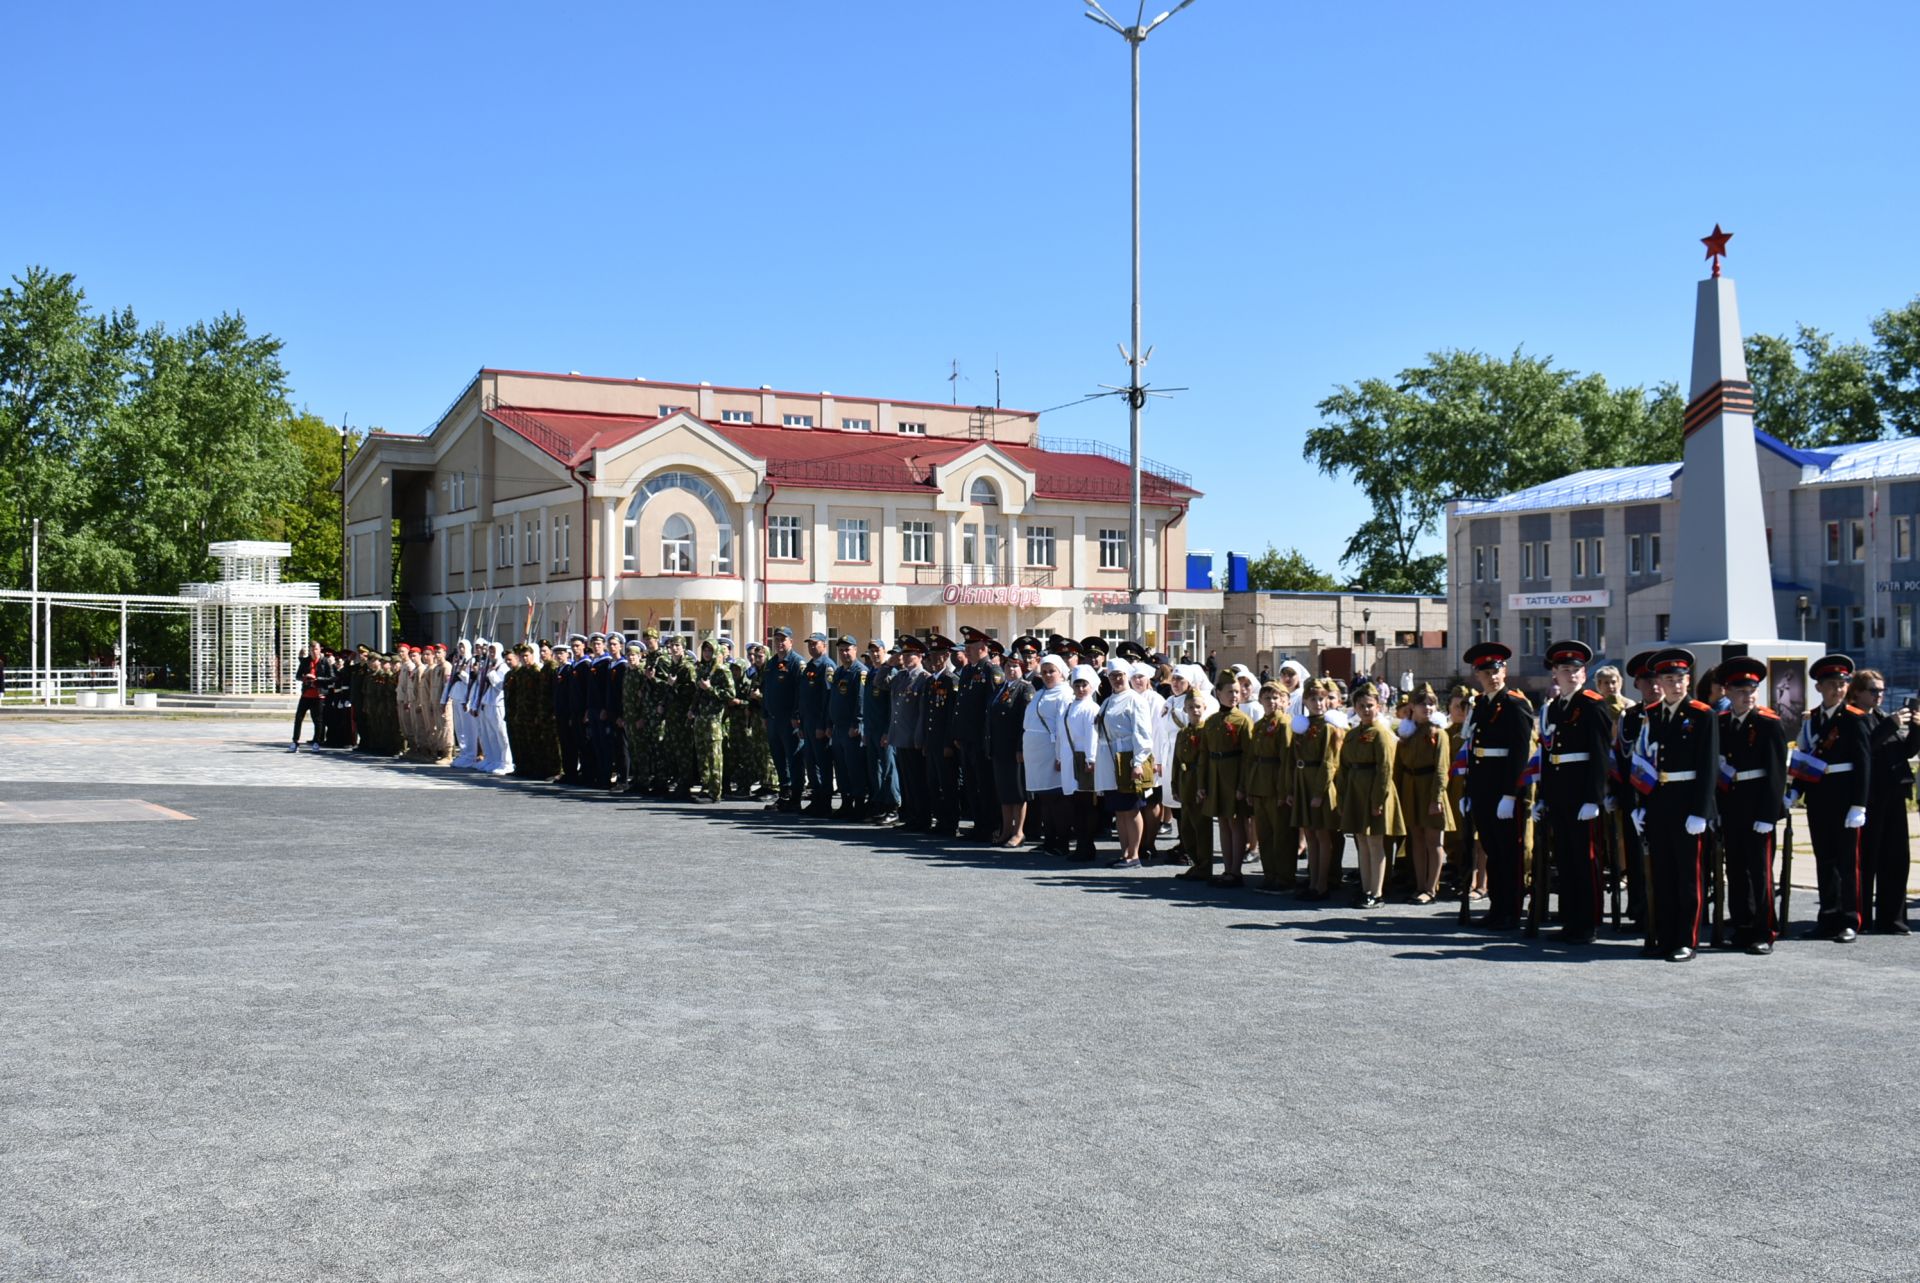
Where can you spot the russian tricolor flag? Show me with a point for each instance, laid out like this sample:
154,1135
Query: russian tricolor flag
1530,773
1726,776
1806,768
1644,778
1460,758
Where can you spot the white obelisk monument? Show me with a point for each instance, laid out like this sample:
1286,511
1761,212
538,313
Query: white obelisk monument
1723,578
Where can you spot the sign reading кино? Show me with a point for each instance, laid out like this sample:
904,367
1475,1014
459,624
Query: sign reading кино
1558,600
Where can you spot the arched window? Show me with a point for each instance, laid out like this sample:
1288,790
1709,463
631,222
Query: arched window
676,546
983,495
699,489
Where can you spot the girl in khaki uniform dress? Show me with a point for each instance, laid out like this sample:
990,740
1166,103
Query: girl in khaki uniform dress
1368,808
1420,770
1228,735
1268,787
1190,772
1316,751
1469,858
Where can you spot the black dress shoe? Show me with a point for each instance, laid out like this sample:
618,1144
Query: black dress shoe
1194,875
1228,880
1847,936
1896,928
1568,935
1651,950
1818,931
1759,948
1682,954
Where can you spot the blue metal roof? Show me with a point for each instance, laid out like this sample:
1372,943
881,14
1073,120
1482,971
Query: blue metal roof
1871,461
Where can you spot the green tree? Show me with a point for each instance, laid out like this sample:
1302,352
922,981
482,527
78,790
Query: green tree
1809,391
1896,367
1289,571
310,519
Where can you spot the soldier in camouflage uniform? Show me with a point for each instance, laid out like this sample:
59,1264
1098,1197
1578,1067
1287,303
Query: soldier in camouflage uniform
713,689
519,694
657,703
756,757
679,684
738,778
643,730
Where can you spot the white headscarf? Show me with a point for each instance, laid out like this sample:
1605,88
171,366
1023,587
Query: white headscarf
1085,673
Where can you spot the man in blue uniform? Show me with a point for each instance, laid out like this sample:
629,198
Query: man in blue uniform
781,679
876,719
906,735
978,681
815,731
846,711
943,761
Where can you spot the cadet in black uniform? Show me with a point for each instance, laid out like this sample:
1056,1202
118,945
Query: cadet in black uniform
1501,731
978,682
816,733
1831,765
1681,738
1892,739
943,764
1753,782
1625,798
1576,735
569,690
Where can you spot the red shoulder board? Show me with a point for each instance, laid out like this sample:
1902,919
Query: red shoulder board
1698,706
1519,699
1764,711
1589,694
1857,712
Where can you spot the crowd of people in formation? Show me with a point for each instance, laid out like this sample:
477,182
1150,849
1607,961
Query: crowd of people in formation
1673,803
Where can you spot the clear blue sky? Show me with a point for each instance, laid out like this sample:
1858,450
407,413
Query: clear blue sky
849,195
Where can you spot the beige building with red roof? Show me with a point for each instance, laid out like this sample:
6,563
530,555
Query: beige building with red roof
627,504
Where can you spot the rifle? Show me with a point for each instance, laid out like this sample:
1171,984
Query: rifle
1786,878
1719,871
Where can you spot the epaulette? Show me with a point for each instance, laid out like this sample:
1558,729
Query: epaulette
1764,711
1697,706
1857,712
1522,700
1590,694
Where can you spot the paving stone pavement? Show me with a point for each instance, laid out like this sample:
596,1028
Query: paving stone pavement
357,1022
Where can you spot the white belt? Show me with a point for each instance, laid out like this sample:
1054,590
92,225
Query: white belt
1560,759
1748,775
1839,768
1678,777
1491,752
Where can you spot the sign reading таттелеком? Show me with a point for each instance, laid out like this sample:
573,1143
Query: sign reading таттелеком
1597,597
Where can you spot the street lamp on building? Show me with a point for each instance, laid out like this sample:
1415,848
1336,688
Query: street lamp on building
1135,36
1366,627
1802,603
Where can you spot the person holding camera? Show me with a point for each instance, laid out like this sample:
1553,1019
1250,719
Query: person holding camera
1892,740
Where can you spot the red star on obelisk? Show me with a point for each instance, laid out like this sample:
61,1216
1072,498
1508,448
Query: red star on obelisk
1716,244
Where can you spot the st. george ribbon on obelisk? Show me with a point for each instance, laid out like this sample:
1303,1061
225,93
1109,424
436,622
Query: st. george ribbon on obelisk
1723,600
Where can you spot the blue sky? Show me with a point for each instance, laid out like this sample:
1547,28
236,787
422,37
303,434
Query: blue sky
850,195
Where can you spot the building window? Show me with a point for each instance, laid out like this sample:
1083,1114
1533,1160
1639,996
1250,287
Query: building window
796,420
1546,559
1662,625
503,544
1579,558
459,484
1113,550
1633,554
1857,625
676,546
916,543
911,429
856,425
853,539
1040,547
1599,635
1526,635
1494,632
530,539
697,488
982,494
1903,626
1903,538
1833,628
1579,628
665,410
1597,562
1526,561
783,538
1494,562
736,416
1653,552
1833,543
1479,564
1479,631
970,544
1856,540
562,543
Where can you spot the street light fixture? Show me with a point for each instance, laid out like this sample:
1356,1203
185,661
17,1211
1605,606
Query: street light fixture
1135,356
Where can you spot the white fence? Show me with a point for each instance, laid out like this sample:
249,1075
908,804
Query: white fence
43,686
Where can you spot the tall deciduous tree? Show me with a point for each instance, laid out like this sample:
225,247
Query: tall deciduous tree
1896,367
1289,571
1809,391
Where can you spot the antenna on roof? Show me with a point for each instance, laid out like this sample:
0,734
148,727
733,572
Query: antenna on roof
953,380
996,380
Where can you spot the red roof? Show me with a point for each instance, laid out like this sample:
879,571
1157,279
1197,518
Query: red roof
730,390
842,460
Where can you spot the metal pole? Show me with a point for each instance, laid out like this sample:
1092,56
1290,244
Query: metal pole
1135,396
33,618
345,547
123,653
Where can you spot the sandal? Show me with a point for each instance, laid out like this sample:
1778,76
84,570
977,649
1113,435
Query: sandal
1123,864
1423,898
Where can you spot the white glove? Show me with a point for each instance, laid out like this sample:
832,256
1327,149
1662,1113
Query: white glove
1539,812
1763,826
1300,723
1588,811
1506,808
1406,727
1793,795
1466,805
1609,804
1856,816
1640,820
1696,825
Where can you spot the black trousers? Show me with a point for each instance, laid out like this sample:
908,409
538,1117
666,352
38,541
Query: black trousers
310,706
943,787
1749,858
910,768
1577,847
1836,863
1083,813
1674,856
1884,857
569,749
984,804
1506,886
